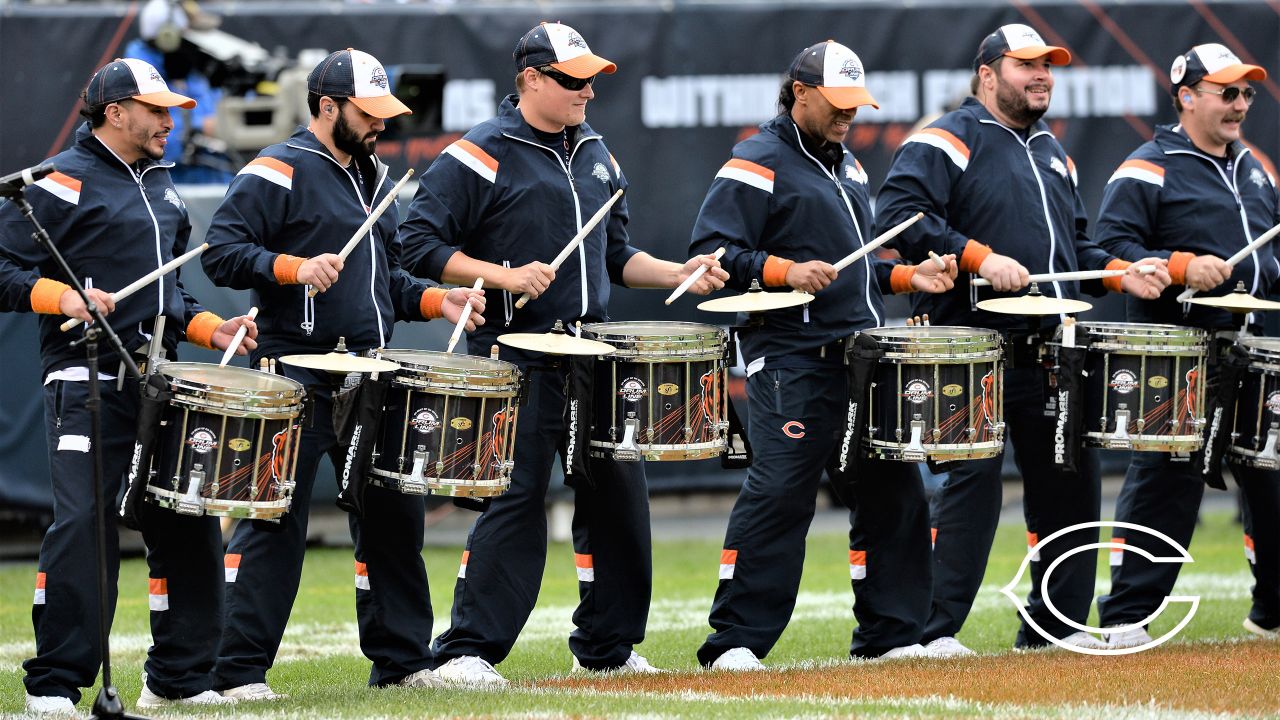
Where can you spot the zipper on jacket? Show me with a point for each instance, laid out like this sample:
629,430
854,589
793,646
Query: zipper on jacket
155,224
1235,193
866,259
508,308
368,210
577,205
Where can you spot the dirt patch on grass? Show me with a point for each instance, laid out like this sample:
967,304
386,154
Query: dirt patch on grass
1218,677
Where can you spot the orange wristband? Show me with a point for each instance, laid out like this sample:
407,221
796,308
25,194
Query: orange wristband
285,269
1178,263
973,255
432,303
45,296
775,271
201,328
1113,283
900,279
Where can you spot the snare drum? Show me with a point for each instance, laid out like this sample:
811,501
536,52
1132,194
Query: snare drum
938,394
1257,417
1145,387
661,394
449,425
229,442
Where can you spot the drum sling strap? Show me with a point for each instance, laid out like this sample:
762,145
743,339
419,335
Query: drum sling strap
1068,380
579,405
737,449
1232,362
357,420
861,358
155,398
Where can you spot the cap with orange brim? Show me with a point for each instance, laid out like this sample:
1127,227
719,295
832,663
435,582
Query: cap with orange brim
132,79
561,47
1018,41
837,73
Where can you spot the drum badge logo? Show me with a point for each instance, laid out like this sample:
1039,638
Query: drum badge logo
202,440
668,389
632,389
239,444
1124,381
460,423
1273,402
600,172
1158,382
917,392
952,390
425,421
1056,165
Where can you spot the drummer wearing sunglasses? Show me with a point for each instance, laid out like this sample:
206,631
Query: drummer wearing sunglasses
1194,194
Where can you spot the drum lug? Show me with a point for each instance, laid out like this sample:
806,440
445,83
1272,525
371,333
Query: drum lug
627,450
914,451
998,430
190,502
1120,440
416,484
1267,459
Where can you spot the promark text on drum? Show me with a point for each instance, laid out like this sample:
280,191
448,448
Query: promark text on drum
850,419
1060,429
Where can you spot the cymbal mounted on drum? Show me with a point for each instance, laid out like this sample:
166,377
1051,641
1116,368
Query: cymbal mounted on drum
1034,303
755,300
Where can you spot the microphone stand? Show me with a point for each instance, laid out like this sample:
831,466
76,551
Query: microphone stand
107,704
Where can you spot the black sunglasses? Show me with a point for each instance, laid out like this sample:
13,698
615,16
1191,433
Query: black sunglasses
568,82
1229,94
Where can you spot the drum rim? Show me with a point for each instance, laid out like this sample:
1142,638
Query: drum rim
699,330
406,358
291,386
918,332
1181,330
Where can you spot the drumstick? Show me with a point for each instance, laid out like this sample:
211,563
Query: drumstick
368,223
884,237
942,264
235,341
143,281
577,240
1234,260
462,321
1074,275
693,278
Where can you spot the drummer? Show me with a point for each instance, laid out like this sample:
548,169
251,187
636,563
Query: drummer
998,190
773,210
499,204
276,233
113,229
1182,196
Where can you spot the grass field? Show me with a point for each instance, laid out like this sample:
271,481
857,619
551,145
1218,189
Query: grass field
1211,670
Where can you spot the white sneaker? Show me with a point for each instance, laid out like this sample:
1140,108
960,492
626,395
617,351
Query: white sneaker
1256,629
424,678
253,692
1135,637
1083,639
905,652
471,671
947,647
738,659
51,706
151,700
635,664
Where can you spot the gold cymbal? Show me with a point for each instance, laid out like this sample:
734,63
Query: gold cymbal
336,362
1033,303
756,301
1236,302
555,343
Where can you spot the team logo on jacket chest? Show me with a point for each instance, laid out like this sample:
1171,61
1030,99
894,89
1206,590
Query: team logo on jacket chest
600,172
1257,177
171,197
1057,166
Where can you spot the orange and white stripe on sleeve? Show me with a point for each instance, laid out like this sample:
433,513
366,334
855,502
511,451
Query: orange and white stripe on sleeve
1117,554
1032,539
230,567
63,187
1071,170
728,563
857,564
617,169
585,565
1249,554
271,170
933,538
158,595
462,567
39,596
745,171
362,576
948,143
474,157
1147,172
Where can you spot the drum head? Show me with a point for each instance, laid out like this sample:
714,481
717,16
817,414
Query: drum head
656,340
937,342
238,378
423,359
1146,338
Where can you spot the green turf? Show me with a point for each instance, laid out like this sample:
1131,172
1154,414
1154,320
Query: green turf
322,669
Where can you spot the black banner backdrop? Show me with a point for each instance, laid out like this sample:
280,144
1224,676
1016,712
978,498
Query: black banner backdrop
692,80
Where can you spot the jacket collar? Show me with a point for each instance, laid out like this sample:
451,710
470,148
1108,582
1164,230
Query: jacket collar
304,139
786,129
95,146
1172,138
511,122
972,105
